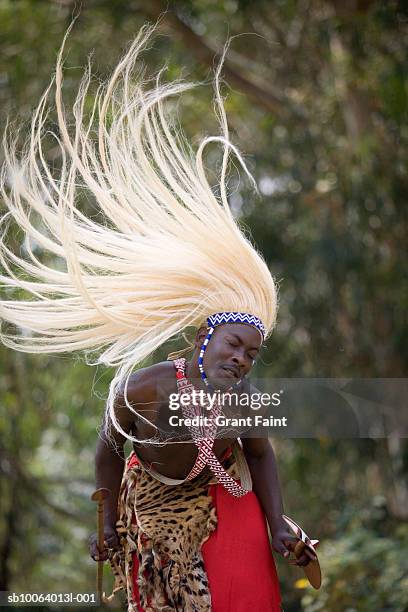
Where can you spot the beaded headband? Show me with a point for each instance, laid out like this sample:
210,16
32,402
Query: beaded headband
236,317
220,318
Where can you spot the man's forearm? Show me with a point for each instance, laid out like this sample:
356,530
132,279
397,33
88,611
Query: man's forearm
109,465
266,485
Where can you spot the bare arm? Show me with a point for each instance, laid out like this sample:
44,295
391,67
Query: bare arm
264,471
262,465
109,465
109,457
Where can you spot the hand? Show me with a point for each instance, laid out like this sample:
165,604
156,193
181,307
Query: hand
284,542
302,553
111,540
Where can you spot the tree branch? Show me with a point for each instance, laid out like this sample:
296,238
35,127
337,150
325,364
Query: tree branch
259,91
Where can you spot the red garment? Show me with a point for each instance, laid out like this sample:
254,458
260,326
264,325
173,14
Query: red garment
237,557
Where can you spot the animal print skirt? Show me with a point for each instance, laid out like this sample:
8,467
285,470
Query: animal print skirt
164,527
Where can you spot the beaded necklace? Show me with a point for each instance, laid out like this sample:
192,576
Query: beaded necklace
204,435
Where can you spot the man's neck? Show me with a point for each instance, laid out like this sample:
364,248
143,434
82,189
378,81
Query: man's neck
193,372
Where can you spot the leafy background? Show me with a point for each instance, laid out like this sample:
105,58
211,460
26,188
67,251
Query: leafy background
317,100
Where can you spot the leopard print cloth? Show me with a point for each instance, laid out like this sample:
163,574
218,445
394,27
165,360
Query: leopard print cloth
166,526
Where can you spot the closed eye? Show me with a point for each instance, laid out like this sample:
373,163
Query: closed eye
235,344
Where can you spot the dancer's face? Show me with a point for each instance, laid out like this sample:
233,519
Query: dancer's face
230,353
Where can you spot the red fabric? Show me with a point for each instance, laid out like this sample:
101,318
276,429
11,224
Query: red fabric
237,556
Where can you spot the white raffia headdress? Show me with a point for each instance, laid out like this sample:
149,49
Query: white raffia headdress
165,252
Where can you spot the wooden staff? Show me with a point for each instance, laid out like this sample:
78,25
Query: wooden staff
99,496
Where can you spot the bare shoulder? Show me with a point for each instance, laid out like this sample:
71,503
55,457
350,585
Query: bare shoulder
144,385
144,392
139,397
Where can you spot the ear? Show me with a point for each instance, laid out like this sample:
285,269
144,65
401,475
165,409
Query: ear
200,336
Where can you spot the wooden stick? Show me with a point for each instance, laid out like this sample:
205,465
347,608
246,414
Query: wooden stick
99,496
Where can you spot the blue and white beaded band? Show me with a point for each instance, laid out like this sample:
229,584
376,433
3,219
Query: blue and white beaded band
220,318
201,355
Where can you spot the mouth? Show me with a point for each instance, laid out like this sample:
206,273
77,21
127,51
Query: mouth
231,371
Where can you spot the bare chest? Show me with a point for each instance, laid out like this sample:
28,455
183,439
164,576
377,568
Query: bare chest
176,458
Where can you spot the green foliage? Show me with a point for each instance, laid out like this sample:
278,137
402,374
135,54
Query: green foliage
363,572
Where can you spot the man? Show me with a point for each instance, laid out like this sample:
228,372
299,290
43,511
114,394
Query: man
162,255
243,573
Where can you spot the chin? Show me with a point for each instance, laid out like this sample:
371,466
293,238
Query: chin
223,382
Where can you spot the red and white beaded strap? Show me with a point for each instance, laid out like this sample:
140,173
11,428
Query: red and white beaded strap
198,433
204,437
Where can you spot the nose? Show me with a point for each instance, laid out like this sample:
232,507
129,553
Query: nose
238,359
